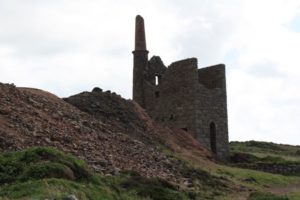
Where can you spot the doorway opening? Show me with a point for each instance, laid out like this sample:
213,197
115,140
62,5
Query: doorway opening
213,137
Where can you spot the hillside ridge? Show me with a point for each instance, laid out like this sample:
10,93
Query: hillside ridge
32,117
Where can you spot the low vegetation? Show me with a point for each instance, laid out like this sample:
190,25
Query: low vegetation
267,151
266,196
46,173
266,156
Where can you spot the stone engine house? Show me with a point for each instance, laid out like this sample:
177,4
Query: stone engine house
181,95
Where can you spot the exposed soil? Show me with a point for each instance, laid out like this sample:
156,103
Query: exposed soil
277,190
109,132
282,190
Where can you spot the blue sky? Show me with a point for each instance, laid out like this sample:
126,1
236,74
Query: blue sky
68,46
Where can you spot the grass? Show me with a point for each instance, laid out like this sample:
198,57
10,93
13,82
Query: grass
46,173
37,163
293,158
217,181
253,158
154,188
266,196
54,189
264,149
270,196
294,195
42,173
255,155
255,180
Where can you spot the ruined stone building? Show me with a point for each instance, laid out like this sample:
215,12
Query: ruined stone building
181,95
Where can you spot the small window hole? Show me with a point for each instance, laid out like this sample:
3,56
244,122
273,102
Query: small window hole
156,94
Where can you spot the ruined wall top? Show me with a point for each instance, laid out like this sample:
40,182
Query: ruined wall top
213,76
184,64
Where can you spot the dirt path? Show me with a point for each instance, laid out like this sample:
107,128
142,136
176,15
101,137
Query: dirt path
240,196
278,190
284,189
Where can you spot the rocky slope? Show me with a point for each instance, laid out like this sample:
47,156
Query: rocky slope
108,132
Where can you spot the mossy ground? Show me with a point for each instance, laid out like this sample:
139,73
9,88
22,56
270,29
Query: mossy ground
266,196
267,151
46,173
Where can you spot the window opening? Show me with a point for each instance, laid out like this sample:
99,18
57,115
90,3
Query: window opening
156,94
156,80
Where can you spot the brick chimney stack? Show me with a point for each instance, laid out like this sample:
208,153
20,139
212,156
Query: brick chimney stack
140,39
140,62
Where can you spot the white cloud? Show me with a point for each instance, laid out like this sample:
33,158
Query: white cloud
69,46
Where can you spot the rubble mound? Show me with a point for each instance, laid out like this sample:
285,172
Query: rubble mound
112,109
128,117
110,133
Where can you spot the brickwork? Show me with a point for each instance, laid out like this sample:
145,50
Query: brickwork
183,96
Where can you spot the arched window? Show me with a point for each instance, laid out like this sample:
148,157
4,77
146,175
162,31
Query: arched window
213,137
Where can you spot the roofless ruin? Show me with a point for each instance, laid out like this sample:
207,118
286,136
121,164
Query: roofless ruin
181,95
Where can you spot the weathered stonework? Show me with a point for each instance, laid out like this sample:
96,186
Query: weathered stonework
181,95
275,168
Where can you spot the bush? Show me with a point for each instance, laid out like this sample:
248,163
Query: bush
38,163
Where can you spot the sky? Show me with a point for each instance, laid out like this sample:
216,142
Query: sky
70,46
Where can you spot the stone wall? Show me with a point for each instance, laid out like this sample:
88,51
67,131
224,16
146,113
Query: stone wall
213,76
180,99
276,168
181,95
175,105
155,70
211,104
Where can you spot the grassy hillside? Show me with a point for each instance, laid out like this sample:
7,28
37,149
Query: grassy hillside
137,159
46,173
267,149
266,156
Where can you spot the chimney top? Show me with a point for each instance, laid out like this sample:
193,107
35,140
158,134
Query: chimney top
140,38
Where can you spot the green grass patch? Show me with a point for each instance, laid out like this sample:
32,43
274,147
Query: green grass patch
154,188
266,156
264,149
46,173
55,189
253,158
255,178
294,195
291,158
38,163
266,196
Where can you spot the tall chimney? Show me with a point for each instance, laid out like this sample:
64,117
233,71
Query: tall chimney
140,62
140,39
